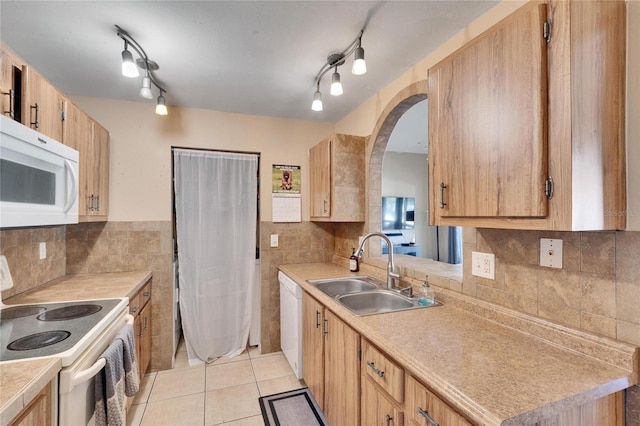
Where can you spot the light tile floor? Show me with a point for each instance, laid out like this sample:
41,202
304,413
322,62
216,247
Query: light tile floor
223,392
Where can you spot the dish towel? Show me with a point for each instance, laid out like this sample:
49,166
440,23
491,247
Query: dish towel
109,387
131,377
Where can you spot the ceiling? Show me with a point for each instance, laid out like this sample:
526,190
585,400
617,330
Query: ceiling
249,57
410,132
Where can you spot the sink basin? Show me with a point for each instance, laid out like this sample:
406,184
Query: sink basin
366,296
376,302
339,286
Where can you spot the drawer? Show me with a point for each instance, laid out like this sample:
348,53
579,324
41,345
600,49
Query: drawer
383,371
134,304
145,294
424,408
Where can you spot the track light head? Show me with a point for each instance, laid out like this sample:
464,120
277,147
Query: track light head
336,86
316,105
161,106
359,65
145,90
129,68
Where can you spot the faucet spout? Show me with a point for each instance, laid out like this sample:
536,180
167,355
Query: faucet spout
391,268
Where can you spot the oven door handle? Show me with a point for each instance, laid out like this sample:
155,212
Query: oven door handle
87,374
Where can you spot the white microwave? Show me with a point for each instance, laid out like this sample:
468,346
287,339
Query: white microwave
38,178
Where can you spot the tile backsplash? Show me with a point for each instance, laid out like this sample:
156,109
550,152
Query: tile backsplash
21,248
597,289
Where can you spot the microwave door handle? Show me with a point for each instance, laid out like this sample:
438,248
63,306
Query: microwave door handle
74,186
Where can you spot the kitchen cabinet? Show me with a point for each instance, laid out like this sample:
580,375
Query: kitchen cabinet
42,104
337,179
382,388
10,84
38,412
91,140
331,364
140,308
529,134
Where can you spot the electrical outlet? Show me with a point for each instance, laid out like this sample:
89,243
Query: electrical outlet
483,265
43,250
274,240
551,252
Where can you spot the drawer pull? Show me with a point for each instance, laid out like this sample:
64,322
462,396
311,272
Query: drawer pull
379,372
389,418
426,415
146,294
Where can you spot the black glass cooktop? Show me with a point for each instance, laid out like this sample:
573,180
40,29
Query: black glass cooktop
45,329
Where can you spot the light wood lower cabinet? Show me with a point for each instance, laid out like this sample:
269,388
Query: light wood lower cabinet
331,364
377,408
140,308
38,412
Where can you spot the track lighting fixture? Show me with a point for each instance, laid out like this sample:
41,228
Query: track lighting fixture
130,69
333,62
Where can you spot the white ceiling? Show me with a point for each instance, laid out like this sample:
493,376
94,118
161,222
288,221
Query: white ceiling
250,57
410,132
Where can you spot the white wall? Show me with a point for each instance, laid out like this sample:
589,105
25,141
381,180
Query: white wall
141,141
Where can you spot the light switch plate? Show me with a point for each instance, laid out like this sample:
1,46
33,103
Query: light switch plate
43,250
274,240
483,265
551,252
6,282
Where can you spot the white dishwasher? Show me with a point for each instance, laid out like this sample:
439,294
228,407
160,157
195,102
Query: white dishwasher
291,322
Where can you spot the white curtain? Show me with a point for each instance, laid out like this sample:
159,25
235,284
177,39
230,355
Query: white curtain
216,208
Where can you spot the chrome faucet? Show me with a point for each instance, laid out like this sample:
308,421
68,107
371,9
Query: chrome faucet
391,268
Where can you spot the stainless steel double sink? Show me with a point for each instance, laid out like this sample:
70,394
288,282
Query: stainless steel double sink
364,295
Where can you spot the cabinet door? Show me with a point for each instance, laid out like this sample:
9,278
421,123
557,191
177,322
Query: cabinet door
100,167
376,408
42,106
424,408
7,85
313,347
487,123
38,412
145,341
77,134
342,373
320,179
139,334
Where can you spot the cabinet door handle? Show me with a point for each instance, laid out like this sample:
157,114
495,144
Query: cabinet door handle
146,294
140,330
91,203
135,309
11,110
325,326
388,418
97,203
442,188
426,415
145,323
317,318
36,123
324,206
379,372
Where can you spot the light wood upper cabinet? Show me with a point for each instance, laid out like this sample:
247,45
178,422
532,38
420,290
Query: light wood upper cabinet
331,365
529,134
337,179
82,133
10,84
42,104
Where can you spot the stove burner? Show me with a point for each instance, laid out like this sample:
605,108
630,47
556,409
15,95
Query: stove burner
38,340
69,312
21,312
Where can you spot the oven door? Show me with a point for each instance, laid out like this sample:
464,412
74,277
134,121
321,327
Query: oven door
76,399
38,178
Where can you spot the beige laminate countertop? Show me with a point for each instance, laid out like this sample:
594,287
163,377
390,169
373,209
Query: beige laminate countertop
20,381
491,372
